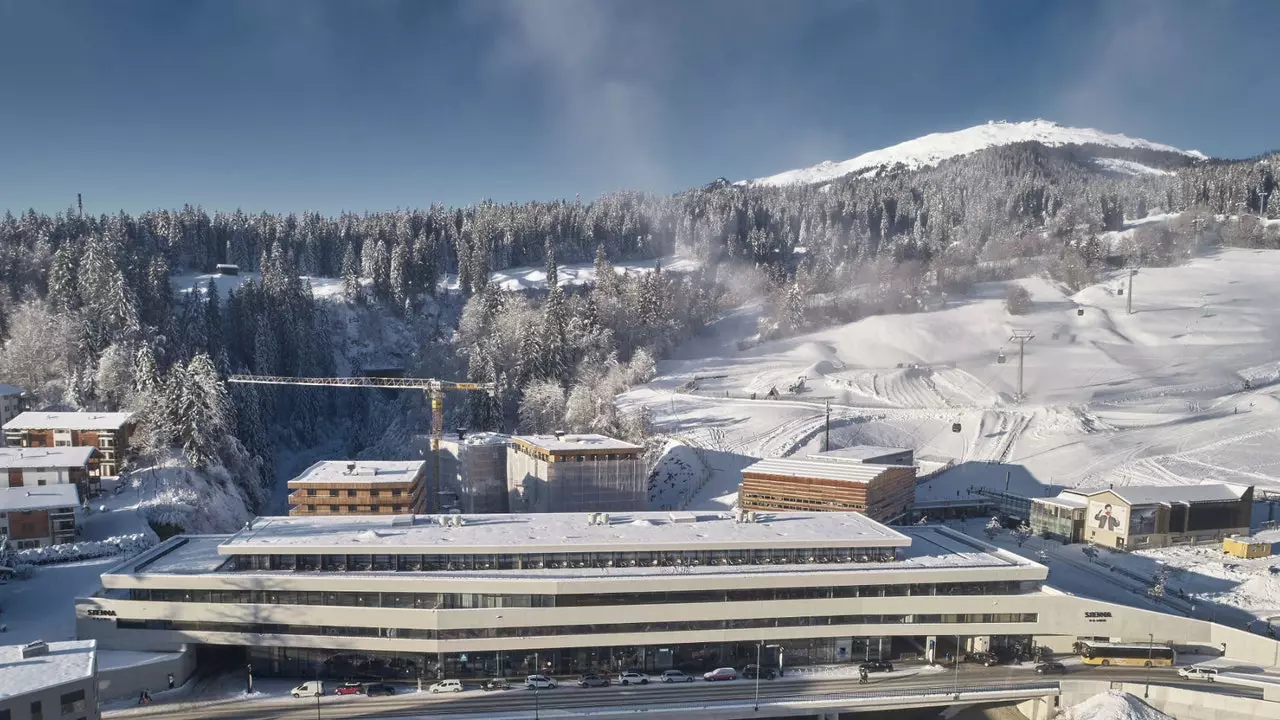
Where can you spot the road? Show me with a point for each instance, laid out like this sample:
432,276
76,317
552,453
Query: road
479,704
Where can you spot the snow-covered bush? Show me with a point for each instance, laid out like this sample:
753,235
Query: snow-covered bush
72,552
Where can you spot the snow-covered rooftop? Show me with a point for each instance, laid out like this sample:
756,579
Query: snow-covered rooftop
21,499
1169,494
16,458
930,548
1066,499
7,390
31,420
861,452
829,468
932,149
558,532
481,438
65,662
575,442
365,472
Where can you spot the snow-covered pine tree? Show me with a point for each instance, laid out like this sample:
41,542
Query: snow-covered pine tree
64,293
350,273
204,411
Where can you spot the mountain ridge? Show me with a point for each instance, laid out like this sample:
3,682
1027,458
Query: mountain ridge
932,149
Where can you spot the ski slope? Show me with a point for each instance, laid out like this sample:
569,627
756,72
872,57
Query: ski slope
932,149
1158,396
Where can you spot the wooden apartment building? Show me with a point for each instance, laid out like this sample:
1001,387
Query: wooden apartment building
877,482
108,432
364,487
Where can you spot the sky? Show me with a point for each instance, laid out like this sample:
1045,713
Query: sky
289,106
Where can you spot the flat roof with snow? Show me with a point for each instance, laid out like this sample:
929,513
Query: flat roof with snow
68,421
42,497
364,472
572,443
1177,494
481,438
831,468
1065,499
20,458
861,452
558,532
930,548
66,662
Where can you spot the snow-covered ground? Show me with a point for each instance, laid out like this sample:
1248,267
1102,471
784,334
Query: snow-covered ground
534,277
187,282
1154,397
1113,705
932,149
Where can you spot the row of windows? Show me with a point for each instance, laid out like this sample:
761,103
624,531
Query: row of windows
455,601
547,457
352,508
311,492
595,629
539,561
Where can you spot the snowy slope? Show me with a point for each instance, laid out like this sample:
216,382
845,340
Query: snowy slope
1153,397
932,149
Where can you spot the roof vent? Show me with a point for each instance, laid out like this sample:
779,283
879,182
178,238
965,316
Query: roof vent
559,434
462,433
683,518
35,649
351,468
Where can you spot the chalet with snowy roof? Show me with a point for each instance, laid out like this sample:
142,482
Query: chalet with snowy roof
109,432
363,487
878,482
38,467
33,517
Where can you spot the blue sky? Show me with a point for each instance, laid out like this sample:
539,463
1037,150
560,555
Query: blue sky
280,105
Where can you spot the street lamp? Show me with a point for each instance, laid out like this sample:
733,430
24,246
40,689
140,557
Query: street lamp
1151,641
760,646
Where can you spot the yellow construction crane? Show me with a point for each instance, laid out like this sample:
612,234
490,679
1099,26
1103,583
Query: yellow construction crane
434,389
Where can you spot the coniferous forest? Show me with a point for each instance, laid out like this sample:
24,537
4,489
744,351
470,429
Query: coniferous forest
90,318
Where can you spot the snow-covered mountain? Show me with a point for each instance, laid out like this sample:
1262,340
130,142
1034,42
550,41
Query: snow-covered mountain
934,148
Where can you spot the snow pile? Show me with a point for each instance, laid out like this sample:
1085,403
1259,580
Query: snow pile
676,477
1113,705
70,552
932,149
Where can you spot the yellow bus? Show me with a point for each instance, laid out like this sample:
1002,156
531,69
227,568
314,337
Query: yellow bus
1139,654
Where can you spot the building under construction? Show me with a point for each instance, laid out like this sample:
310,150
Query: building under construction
575,473
473,470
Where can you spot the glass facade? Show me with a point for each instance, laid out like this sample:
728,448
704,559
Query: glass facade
540,561
462,601
690,657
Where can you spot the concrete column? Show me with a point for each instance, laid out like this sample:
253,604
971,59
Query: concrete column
931,649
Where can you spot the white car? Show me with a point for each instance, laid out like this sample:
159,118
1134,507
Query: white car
446,686
539,681
1198,672
633,678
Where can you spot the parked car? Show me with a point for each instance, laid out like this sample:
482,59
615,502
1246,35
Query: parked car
495,684
309,688
751,672
447,686
376,689
876,666
1198,672
349,688
539,682
593,681
633,678
724,673
671,676
1046,668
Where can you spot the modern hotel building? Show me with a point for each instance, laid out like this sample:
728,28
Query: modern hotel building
429,596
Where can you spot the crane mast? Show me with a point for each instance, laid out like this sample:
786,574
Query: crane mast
433,388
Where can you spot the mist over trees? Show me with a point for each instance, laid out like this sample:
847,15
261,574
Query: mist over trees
89,319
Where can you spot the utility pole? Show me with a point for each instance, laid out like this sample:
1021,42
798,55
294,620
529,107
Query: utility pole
826,435
1022,337
1129,300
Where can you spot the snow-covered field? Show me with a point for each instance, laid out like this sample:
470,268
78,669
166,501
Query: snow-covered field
1158,396
534,277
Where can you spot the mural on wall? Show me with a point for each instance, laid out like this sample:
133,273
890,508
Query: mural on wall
1108,517
1142,521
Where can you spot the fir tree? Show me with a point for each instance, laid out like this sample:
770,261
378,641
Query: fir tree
350,274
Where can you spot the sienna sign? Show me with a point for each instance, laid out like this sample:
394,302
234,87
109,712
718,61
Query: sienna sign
99,612
1098,616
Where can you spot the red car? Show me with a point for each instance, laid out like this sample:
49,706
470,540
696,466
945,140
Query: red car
724,673
351,688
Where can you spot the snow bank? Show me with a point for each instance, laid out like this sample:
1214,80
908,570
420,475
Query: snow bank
72,552
1114,705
